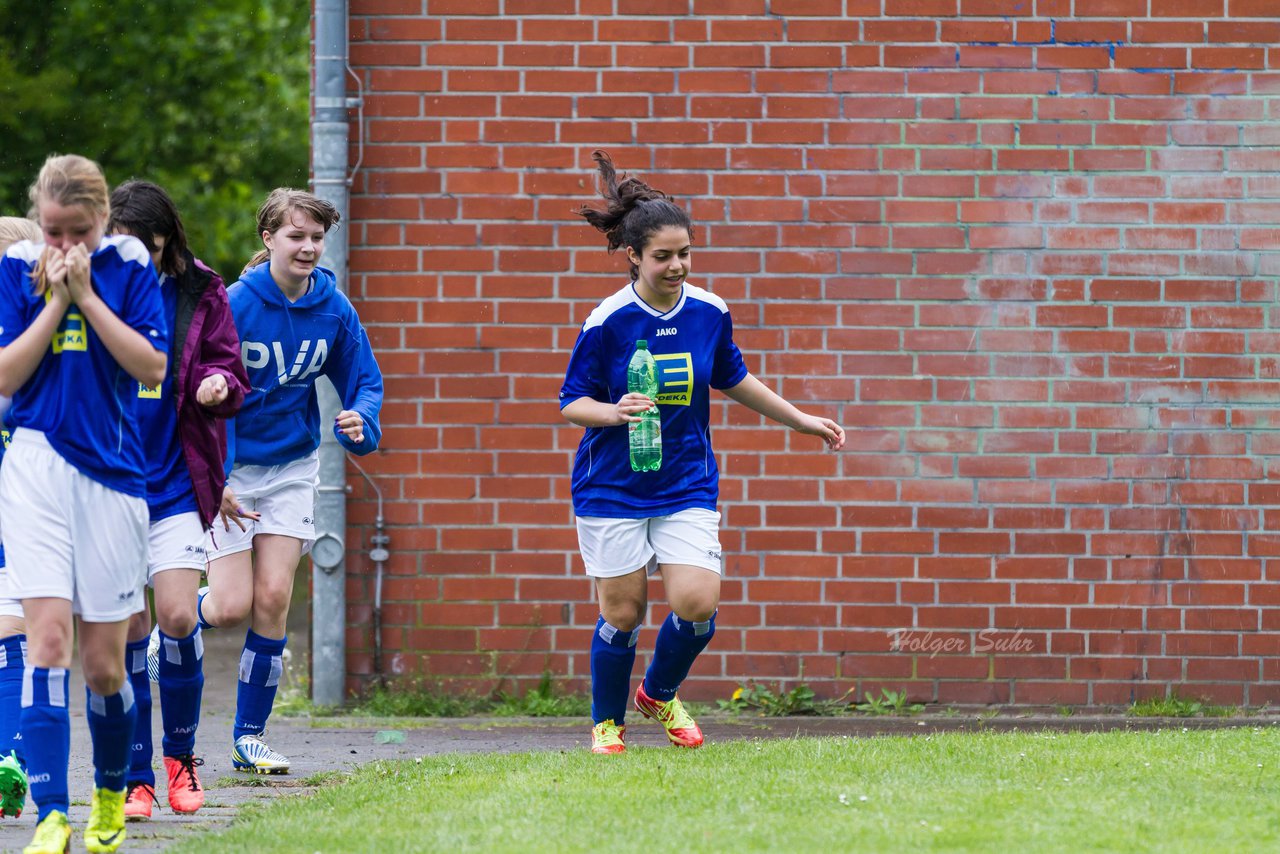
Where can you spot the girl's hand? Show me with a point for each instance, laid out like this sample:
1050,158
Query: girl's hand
830,432
79,280
54,263
55,266
351,425
631,405
212,390
231,511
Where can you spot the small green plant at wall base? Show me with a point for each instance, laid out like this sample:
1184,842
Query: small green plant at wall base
421,700
800,700
1174,706
888,703
542,702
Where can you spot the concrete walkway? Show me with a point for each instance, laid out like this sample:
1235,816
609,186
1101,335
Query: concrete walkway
317,749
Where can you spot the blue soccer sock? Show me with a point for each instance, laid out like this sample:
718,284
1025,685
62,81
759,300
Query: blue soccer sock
46,733
13,657
679,642
181,687
200,596
141,749
613,654
260,669
112,721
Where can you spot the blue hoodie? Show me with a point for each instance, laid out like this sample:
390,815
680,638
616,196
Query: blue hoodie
285,346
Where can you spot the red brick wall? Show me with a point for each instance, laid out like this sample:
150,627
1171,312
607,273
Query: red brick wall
1020,248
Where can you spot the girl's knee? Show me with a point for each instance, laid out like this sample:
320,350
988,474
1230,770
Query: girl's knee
105,681
177,620
696,609
272,600
139,626
51,647
624,616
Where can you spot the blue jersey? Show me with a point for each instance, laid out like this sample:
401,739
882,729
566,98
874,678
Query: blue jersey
169,488
286,346
693,347
79,396
5,438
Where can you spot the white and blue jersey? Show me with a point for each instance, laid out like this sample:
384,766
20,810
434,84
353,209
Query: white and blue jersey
286,346
5,438
79,396
692,345
169,488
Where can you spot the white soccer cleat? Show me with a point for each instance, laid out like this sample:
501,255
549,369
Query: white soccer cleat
251,753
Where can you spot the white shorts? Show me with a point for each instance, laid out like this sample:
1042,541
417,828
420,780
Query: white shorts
72,538
285,495
9,607
614,547
176,542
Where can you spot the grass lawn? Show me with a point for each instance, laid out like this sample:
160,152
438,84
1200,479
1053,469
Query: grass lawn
1122,791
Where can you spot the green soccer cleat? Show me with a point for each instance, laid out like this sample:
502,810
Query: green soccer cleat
13,786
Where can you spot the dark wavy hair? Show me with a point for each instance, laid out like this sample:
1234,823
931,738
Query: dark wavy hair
145,210
633,212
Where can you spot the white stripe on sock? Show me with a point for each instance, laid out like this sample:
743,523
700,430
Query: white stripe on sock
277,669
126,696
57,690
172,652
246,664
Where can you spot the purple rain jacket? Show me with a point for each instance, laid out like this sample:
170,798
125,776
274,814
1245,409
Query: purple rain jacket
206,334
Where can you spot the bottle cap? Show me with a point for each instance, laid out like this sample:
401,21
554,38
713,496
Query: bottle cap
642,344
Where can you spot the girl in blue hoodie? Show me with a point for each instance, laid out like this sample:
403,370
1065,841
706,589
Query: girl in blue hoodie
295,325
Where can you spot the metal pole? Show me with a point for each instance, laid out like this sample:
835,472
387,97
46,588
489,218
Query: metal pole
329,176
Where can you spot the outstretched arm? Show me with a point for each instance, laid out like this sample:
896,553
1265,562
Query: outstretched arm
757,396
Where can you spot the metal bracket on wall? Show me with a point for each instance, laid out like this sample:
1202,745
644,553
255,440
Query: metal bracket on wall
358,104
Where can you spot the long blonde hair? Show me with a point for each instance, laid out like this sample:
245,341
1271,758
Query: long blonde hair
16,228
276,208
69,179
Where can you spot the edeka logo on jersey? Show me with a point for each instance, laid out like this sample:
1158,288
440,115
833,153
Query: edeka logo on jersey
258,354
675,378
148,393
70,334
6,437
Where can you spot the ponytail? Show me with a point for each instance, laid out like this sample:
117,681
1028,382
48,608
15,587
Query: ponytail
633,212
258,257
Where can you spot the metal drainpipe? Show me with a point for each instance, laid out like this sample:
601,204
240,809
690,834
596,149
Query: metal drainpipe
330,180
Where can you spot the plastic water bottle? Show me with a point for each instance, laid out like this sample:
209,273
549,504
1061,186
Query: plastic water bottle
646,434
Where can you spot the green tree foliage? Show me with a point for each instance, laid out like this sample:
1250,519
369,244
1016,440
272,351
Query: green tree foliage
208,98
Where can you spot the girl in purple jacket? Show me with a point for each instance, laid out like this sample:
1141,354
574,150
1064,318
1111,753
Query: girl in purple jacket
186,444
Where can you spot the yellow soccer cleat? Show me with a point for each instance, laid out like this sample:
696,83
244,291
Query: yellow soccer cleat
53,835
105,830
